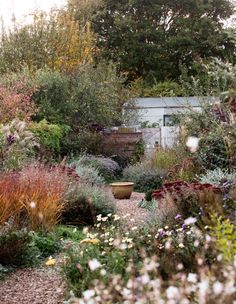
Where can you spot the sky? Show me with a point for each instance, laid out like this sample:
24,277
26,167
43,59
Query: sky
21,8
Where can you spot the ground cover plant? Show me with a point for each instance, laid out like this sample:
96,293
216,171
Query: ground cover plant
113,265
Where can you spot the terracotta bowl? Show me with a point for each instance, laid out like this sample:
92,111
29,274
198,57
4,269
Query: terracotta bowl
122,190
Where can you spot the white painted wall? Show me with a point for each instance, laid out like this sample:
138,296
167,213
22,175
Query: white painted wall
165,135
150,137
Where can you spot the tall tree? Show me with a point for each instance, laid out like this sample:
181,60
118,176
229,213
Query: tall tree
154,38
56,41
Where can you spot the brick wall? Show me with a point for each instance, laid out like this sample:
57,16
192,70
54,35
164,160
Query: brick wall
122,144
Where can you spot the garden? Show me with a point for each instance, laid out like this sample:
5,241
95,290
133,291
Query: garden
65,235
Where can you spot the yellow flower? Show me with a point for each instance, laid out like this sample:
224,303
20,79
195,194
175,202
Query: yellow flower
90,241
50,262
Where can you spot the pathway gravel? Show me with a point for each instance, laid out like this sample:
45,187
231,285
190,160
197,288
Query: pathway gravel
130,206
33,286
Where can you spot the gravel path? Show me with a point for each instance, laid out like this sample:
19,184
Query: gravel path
130,206
33,286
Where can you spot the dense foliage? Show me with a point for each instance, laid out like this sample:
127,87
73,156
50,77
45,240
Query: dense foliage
56,41
153,39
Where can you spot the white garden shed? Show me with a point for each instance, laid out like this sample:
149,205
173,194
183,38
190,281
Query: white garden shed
160,111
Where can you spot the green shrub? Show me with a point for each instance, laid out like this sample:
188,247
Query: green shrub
225,234
124,253
77,271
159,89
108,168
98,95
148,195
215,131
4,270
165,158
84,203
80,142
44,244
24,248
50,136
53,97
215,177
144,178
88,174
213,152
13,244
68,232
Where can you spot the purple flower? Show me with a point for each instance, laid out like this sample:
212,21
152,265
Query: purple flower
10,139
162,233
178,216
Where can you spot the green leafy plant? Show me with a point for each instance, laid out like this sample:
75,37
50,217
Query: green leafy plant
13,245
148,204
84,203
225,235
4,270
68,232
84,141
138,153
88,174
50,137
107,167
45,244
165,158
215,177
144,177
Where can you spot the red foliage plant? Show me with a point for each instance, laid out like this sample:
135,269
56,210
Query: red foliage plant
15,104
33,196
177,187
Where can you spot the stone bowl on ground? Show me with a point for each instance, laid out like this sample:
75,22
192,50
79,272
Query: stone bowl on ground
122,190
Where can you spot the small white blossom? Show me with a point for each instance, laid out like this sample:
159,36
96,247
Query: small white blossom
192,143
88,294
145,279
192,278
180,266
190,221
116,217
103,272
218,288
203,287
172,292
85,230
99,217
168,245
94,264
123,246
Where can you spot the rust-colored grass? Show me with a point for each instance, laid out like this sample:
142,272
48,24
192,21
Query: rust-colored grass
34,197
